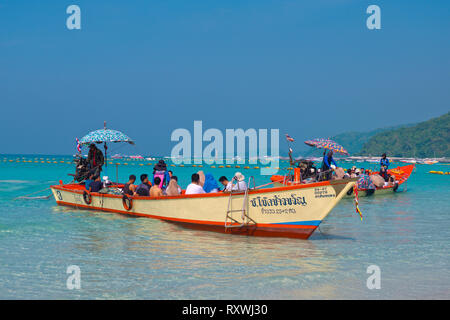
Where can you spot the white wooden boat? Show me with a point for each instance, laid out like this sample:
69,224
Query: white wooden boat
286,211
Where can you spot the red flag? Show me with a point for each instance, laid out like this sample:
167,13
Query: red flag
78,145
288,138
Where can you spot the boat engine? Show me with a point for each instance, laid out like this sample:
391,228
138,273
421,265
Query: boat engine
81,169
307,169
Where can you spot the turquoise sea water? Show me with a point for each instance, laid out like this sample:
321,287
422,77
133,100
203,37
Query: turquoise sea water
405,234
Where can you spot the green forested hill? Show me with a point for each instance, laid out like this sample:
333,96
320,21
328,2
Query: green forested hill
353,141
426,139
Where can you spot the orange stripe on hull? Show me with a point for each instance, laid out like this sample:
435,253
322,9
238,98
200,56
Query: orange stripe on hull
261,230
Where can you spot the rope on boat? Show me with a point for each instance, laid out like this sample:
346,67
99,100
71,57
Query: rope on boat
27,197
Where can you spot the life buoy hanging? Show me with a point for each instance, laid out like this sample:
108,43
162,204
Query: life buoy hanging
127,202
87,197
350,192
396,187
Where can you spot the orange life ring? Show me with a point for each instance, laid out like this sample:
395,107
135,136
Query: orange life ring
127,202
87,197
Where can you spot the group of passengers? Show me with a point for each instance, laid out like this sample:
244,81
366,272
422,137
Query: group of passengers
380,179
164,183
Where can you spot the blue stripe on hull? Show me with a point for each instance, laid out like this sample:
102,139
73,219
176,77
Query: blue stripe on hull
303,223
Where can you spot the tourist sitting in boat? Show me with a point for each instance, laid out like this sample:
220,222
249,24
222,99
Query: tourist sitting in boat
390,182
227,184
364,182
173,189
210,185
144,188
95,159
377,180
160,171
384,174
338,173
106,182
240,184
201,176
155,190
170,173
348,173
88,181
97,185
328,161
176,180
194,187
129,188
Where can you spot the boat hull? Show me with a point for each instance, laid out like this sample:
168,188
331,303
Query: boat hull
288,211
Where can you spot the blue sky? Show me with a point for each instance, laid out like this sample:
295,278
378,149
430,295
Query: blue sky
309,68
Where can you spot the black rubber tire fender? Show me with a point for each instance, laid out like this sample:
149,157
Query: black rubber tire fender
87,197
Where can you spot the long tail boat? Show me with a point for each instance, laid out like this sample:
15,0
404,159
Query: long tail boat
284,211
401,175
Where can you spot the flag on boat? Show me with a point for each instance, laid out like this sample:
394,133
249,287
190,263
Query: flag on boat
289,138
355,191
78,145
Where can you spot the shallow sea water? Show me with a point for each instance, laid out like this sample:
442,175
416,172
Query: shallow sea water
405,234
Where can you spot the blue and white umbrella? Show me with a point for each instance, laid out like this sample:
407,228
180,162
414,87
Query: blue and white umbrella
105,135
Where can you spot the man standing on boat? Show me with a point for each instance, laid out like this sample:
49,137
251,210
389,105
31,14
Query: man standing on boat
95,159
327,164
384,162
384,165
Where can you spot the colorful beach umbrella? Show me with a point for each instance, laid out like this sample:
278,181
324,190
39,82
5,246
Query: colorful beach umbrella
315,142
327,144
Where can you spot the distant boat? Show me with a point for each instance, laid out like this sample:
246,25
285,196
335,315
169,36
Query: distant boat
430,161
117,156
408,161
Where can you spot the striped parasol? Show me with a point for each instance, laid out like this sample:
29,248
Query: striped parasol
315,142
322,143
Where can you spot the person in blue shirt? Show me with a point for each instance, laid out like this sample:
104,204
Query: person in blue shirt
384,165
384,162
87,182
96,185
327,162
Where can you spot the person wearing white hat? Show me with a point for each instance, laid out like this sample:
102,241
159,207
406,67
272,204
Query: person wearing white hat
240,181
106,182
